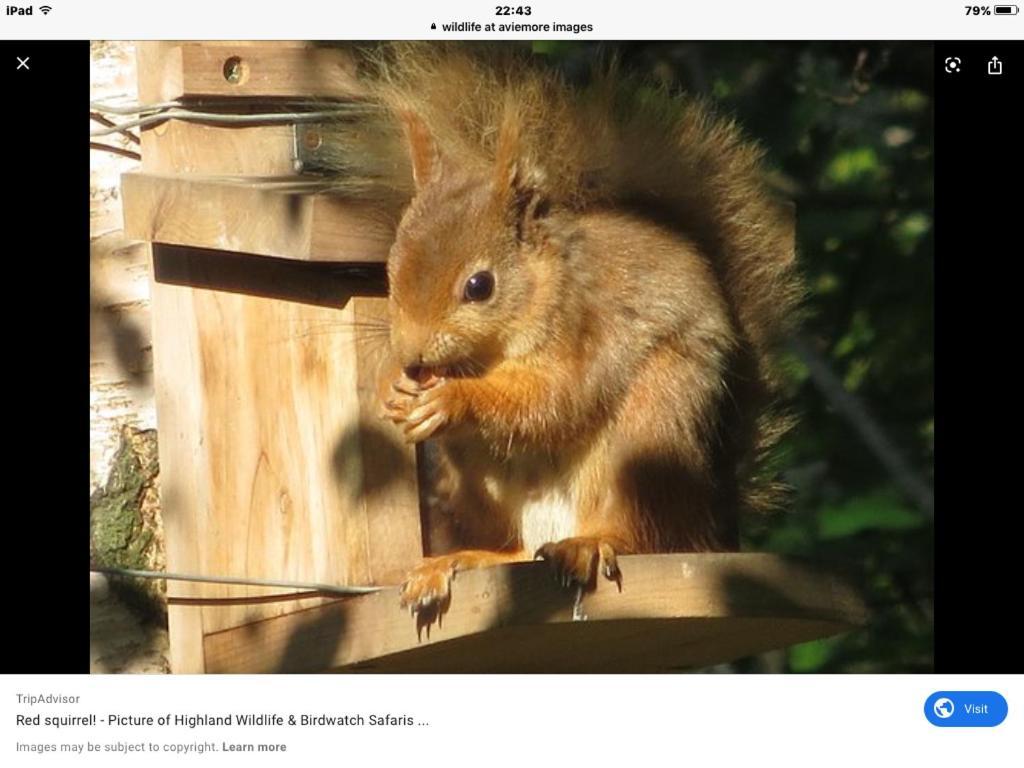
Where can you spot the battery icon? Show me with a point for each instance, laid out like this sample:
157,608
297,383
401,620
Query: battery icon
1006,10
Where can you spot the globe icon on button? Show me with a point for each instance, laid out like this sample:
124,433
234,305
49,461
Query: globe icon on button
943,708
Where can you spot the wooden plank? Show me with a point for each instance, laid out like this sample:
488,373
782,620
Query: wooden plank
178,147
170,70
392,508
159,66
183,495
264,464
235,216
674,612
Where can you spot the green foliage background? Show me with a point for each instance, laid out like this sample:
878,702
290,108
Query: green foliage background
848,129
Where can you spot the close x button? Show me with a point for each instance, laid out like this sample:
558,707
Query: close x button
965,709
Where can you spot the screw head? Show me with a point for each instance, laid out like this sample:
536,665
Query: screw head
234,70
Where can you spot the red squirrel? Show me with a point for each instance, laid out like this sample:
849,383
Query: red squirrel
586,287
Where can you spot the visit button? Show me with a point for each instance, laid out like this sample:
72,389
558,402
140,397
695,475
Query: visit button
952,709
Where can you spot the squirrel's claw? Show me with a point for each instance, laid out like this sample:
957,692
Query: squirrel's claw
427,592
395,409
576,561
419,411
417,431
406,386
428,417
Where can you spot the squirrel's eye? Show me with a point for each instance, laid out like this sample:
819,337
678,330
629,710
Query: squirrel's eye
479,287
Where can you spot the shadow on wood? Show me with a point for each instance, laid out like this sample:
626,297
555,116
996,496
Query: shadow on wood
675,612
318,284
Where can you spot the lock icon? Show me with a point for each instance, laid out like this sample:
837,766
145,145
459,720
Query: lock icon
995,66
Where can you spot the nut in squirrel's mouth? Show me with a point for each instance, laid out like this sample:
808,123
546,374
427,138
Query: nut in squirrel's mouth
425,375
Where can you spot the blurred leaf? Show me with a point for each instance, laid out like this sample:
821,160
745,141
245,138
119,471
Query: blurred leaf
809,657
909,231
861,334
856,373
553,48
881,510
853,165
790,540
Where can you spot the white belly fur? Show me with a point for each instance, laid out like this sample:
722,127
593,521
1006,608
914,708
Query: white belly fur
547,517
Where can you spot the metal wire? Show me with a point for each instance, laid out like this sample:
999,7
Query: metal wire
131,109
151,114
334,589
216,117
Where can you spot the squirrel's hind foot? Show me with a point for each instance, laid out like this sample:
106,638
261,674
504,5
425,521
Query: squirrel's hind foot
427,591
577,560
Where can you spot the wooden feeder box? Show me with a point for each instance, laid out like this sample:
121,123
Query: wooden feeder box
273,464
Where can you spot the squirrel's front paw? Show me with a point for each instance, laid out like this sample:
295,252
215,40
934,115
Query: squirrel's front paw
577,560
420,410
427,590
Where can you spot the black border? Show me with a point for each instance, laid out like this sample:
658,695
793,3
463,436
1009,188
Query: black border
978,172
46,353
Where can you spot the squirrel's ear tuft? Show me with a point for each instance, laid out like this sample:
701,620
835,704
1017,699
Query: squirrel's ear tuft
520,192
423,152
518,184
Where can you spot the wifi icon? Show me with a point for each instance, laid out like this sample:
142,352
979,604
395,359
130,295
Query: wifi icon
45,9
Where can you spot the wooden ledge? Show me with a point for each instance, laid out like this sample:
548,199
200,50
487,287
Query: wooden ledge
185,69
243,217
675,612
